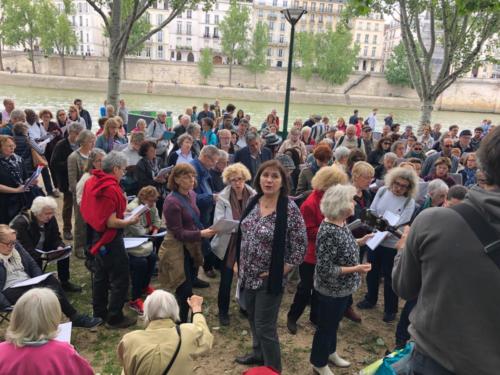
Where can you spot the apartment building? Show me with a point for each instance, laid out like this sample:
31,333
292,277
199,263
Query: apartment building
368,32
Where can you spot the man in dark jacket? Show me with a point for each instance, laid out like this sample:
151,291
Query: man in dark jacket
444,263
83,113
428,166
253,155
59,164
16,265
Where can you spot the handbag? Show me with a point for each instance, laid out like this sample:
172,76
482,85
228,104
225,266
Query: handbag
38,159
171,363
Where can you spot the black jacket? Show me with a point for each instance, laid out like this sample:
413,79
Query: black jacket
28,234
59,163
86,116
143,174
30,267
243,156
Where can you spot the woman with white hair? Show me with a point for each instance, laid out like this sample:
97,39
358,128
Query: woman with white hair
30,346
341,155
37,229
337,274
165,346
388,162
397,199
16,266
437,190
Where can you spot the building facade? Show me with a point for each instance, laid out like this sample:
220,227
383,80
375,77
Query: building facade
368,32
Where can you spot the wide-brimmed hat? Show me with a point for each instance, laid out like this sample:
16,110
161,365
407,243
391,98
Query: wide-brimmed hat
273,139
286,161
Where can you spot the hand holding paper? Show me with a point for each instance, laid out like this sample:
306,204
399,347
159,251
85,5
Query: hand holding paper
225,225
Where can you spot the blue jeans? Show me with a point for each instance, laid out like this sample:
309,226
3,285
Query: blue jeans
330,313
141,270
421,364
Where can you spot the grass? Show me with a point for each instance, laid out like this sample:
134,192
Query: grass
361,344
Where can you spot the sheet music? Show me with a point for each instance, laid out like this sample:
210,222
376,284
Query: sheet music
64,332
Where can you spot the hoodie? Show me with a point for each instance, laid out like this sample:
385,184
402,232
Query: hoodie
456,319
102,196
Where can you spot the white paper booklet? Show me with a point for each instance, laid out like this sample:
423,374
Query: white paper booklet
225,225
32,281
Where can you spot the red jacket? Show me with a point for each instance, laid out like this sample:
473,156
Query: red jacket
102,196
312,217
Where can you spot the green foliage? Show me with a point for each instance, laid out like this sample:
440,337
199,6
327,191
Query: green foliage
233,29
397,71
206,64
330,55
56,32
256,62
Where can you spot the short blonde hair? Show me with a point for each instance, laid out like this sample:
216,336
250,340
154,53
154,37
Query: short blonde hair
36,317
337,201
148,192
362,168
326,177
40,203
406,174
160,305
236,169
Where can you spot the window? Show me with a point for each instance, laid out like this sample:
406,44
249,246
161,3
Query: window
372,66
282,26
148,17
216,5
376,27
280,53
374,51
207,18
270,37
188,28
172,55
159,19
216,19
261,12
271,25
160,52
361,25
321,7
367,38
279,64
269,52
81,48
282,39
312,17
268,62
285,4
81,21
275,3
81,36
80,8
86,7
368,26
160,36
189,14
320,18
329,8
374,39
313,7
188,41
179,27
207,32
165,4
88,38
216,32
365,51
358,37
87,22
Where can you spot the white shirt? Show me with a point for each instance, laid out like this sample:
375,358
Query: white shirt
372,121
36,131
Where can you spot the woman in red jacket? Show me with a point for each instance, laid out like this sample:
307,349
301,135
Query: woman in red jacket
324,179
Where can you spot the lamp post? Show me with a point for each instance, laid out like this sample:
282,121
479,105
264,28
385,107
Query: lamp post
293,16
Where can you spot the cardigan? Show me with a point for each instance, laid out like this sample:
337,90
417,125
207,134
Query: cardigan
76,166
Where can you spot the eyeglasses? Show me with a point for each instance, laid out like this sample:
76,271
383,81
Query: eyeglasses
237,179
9,244
400,185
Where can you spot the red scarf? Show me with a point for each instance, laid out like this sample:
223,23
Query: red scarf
102,196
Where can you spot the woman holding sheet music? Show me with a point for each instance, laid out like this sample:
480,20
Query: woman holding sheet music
111,138
13,195
180,253
231,202
38,232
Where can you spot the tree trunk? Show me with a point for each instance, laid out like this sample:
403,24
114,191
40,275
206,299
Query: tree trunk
124,68
1,57
230,72
255,78
427,105
32,58
63,64
114,79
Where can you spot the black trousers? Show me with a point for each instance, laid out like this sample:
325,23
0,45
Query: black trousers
13,294
226,281
111,281
305,294
62,269
185,290
402,334
382,260
47,182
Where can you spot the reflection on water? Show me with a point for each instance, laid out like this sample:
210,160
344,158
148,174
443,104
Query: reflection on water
52,99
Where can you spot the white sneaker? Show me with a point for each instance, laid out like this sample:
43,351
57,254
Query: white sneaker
325,370
337,361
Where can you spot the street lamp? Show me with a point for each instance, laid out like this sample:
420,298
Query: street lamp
293,16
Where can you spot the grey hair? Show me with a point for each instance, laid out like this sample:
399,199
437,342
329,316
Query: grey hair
223,155
407,174
140,121
75,127
390,155
137,137
211,151
396,144
84,137
184,137
185,117
36,317
92,157
192,127
40,203
251,136
160,305
17,115
341,152
337,201
112,160
437,186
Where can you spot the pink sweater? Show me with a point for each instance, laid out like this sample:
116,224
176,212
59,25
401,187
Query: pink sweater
52,358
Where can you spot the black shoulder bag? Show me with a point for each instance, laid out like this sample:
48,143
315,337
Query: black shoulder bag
171,363
487,235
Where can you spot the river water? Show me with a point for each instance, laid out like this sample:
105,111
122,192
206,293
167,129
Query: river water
37,98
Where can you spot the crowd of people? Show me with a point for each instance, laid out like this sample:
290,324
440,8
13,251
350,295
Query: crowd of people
219,194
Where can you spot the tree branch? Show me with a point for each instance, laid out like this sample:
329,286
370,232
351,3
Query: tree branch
100,12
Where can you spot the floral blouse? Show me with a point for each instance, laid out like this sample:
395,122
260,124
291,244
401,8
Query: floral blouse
257,242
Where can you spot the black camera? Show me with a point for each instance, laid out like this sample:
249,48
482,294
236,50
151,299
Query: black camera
375,222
